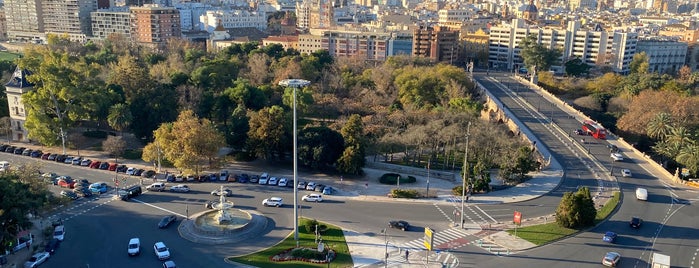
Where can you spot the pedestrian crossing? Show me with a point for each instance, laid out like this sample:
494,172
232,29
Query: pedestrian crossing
451,239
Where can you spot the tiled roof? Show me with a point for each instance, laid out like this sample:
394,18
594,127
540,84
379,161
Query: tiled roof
19,79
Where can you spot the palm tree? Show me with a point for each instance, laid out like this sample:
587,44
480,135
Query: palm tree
119,117
659,126
689,156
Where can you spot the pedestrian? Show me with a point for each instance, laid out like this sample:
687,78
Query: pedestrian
406,254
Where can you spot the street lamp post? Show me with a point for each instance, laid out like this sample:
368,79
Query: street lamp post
295,84
385,238
463,181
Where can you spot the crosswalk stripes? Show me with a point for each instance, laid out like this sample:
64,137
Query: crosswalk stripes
447,239
490,247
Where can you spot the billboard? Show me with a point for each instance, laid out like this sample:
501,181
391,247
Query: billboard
429,238
518,218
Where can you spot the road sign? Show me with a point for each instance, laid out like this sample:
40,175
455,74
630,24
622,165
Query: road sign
429,238
518,217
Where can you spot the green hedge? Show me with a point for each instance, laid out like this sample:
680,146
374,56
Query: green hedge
392,178
404,193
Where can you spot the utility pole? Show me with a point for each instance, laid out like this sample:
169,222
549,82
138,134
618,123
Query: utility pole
428,175
463,181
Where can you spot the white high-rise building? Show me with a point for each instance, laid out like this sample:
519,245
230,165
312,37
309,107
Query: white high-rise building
71,17
594,47
116,20
231,19
25,21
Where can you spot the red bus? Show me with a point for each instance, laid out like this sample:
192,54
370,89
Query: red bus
595,130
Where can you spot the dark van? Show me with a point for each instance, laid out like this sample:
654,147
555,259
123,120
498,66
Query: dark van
132,191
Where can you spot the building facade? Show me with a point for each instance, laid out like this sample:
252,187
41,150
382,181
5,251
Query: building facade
25,21
664,55
14,89
69,17
437,43
111,21
153,25
595,47
232,19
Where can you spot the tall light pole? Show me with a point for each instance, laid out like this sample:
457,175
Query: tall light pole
385,238
463,181
295,83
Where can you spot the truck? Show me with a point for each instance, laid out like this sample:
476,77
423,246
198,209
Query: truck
660,261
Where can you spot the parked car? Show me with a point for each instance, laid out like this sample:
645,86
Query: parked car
27,152
36,259
52,246
10,149
272,181
263,180
180,188
36,154
50,177
319,188
225,192
95,164
76,161
69,194
112,166
85,163
223,175
134,247
311,186
82,183
402,225
244,178
61,158
68,160
138,172
121,169
611,259
283,182
625,172
301,185
635,222
52,157
82,192
329,190
19,150
609,237
312,198
613,148
66,182
148,174
59,232
166,221
105,165
156,187
45,156
130,171
161,251
169,264
99,187
273,202
191,178
254,179
203,178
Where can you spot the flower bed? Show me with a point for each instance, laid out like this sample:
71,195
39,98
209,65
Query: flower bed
302,254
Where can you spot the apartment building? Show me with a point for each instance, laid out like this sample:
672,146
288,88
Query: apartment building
682,31
115,20
594,46
474,47
314,14
664,55
232,19
3,25
574,5
154,25
286,41
25,21
438,43
69,17
14,89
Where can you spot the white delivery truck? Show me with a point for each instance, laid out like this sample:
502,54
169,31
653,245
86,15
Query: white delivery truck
660,261
641,194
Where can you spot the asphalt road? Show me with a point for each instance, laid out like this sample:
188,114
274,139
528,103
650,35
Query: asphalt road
668,227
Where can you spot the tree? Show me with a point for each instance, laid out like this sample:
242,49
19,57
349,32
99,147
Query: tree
576,67
22,194
689,157
151,108
608,82
537,57
189,141
319,147
353,158
119,117
114,145
267,131
639,64
576,209
659,126
130,74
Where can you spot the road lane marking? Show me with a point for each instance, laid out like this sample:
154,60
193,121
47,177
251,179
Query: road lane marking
157,207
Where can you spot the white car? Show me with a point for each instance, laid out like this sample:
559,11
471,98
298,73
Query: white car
134,246
59,232
617,157
161,251
273,202
312,198
283,182
301,185
311,186
180,188
263,180
37,259
158,186
130,171
625,173
272,181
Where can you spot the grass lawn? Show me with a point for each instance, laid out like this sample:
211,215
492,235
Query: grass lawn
333,238
4,55
546,233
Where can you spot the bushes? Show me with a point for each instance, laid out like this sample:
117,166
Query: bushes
392,178
403,193
310,227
